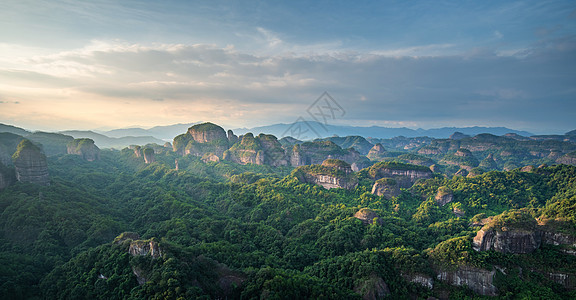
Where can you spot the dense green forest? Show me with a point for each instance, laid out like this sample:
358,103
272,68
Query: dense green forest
226,230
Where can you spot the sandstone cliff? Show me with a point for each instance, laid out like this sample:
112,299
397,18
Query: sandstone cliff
148,154
7,176
444,195
386,187
260,150
85,148
404,174
513,231
479,280
201,139
328,175
310,153
30,164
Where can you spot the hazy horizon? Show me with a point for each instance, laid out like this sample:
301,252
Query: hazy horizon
106,65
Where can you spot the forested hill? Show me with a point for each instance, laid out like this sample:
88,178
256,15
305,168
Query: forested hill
118,227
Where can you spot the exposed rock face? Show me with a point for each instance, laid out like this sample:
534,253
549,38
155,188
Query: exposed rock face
404,174
360,164
458,136
377,152
148,154
386,187
509,241
260,150
168,145
30,164
462,172
201,139
137,150
444,196
479,280
145,247
85,148
232,138
328,176
528,169
207,133
421,279
373,288
367,216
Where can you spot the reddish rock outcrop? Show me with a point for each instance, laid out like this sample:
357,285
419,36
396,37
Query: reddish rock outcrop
386,187
85,148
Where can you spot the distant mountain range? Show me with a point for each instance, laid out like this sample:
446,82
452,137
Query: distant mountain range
312,130
120,138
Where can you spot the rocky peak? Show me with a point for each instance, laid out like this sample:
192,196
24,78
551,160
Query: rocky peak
85,148
30,164
513,231
145,247
376,152
232,138
148,154
207,133
326,176
387,187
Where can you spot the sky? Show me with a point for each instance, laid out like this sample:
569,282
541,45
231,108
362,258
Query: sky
417,64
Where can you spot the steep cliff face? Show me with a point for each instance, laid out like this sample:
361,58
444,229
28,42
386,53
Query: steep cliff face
404,174
232,138
148,154
207,133
201,139
377,152
327,176
261,150
386,187
145,247
479,280
30,164
444,195
85,148
509,241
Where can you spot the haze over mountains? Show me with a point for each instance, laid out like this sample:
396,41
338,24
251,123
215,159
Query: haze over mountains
312,130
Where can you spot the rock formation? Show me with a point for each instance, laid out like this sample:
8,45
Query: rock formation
479,280
316,152
145,247
85,148
30,164
232,138
148,154
260,150
444,196
510,232
367,216
331,175
377,152
404,174
386,187
201,139
488,163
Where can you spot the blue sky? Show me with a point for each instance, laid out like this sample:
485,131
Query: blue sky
111,64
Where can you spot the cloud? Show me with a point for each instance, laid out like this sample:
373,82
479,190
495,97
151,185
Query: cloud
415,84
